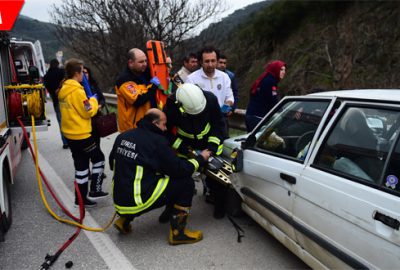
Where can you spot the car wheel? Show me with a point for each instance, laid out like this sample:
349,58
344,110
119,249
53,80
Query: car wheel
6,213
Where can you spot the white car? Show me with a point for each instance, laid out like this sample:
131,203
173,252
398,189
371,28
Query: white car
321,174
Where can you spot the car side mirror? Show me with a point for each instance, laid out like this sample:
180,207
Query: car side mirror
249,142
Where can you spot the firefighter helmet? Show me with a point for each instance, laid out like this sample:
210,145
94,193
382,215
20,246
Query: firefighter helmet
191,97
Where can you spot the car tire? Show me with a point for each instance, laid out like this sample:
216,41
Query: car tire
6,214
233,203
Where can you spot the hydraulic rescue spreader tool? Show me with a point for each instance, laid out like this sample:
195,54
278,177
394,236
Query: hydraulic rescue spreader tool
217,168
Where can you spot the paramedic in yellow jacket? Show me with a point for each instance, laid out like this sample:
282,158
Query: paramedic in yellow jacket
135,92
76,113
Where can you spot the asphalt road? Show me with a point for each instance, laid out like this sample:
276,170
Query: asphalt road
34,233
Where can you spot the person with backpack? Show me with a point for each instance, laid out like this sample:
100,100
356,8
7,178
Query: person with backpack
264,93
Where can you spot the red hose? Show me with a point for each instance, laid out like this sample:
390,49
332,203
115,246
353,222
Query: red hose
50,259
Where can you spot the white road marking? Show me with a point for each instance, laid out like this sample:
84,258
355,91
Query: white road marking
106,248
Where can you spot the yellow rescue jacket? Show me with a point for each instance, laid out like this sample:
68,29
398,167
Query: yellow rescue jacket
76,110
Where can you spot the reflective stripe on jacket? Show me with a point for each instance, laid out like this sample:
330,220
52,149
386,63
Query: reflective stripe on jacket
199,132
144,164
140,205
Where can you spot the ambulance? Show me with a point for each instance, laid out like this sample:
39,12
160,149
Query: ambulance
21,96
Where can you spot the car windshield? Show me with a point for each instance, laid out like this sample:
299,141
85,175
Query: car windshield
291,128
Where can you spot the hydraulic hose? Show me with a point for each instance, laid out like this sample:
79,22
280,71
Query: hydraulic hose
38,173
34,103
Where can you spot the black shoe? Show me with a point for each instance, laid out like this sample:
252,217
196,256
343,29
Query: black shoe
65,146
86,203
96,195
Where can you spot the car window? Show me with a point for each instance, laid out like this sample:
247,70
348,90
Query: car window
359,143
291,128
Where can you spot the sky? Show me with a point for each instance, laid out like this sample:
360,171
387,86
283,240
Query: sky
39,9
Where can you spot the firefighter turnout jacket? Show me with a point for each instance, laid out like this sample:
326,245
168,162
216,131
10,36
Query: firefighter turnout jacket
195,132
135,95
143,164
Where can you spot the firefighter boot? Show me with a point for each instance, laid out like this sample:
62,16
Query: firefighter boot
123,225
178,233
95,187
83,189
165,215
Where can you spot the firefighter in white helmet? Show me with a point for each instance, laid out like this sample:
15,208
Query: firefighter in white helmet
195,123
148,175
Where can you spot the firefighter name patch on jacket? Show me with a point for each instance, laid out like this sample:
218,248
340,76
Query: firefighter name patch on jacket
127,149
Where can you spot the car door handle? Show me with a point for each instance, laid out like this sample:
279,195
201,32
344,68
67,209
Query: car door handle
389,221
288,178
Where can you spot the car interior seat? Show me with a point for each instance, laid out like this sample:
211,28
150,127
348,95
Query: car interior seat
360,144
356,129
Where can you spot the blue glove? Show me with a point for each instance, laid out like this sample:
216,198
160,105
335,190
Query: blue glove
155,81
86,86
95,96
226,108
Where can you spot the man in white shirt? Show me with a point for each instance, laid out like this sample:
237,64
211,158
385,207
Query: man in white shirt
189,65
209,78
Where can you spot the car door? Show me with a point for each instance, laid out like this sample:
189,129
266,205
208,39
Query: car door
346,204
273,159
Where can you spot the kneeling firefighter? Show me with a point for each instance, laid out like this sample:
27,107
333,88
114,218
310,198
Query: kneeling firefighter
196,123
148,175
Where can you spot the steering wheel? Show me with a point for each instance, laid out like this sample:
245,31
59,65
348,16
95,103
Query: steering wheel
302,141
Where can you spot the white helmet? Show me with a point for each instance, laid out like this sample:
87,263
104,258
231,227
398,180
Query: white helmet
192,98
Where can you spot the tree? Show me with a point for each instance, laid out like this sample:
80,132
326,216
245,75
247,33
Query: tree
102,31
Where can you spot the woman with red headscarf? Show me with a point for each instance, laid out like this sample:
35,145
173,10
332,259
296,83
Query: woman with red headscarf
264,93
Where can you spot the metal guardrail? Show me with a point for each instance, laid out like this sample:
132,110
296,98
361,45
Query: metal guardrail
236,120
110,98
